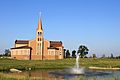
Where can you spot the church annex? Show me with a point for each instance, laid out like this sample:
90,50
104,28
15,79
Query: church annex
38,48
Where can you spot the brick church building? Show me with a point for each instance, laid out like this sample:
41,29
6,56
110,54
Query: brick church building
38,48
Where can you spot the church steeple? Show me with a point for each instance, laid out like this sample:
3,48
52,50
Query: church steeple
40,25
39,39
39,28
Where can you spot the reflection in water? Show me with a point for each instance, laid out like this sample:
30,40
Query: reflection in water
61,75
40,74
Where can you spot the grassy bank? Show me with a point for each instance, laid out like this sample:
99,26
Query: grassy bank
6,64
12,77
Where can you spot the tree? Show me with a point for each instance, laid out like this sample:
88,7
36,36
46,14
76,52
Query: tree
112,56
67,54
64,52
103,56
117,57
90,57
7,52
73,53
1,55
94,56
83,51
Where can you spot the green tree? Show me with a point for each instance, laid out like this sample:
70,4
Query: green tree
94,56
83,51
117,57
64,52
103,56
73,53
67,54
112,56
7,52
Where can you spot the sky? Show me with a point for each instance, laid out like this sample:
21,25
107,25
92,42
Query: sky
93,23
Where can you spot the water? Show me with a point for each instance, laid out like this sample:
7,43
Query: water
90,75
77,69
78,72
77,61
60,74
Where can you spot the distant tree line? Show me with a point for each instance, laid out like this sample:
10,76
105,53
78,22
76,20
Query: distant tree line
6,53
111,56
82,50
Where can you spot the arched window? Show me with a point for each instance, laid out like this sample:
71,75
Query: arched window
39,33
38,39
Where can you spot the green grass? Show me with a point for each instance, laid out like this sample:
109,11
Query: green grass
6,64
114,63
12,77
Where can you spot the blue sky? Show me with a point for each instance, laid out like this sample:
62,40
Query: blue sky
94,23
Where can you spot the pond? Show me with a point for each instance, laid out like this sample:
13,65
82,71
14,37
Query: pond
58,74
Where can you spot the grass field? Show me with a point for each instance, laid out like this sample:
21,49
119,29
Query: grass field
6,64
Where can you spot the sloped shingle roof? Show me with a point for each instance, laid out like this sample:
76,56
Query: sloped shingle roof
55,44
22,47
21,41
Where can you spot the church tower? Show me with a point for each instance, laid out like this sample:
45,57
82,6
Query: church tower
39,39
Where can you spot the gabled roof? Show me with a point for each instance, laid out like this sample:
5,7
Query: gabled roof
22,47
22,42
55,44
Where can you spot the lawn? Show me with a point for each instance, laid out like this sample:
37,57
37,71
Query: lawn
6,64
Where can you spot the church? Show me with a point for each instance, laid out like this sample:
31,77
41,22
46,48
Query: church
38,48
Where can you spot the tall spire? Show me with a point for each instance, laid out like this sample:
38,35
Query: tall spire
40,22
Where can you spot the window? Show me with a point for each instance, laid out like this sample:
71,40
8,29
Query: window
39,39
55,52
52,52
13,53
38,46
21,52
28,51
37,53
49,52
39,33
25,51
16,52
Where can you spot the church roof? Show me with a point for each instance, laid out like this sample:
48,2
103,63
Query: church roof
21,41
53,48
22,47
55,44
